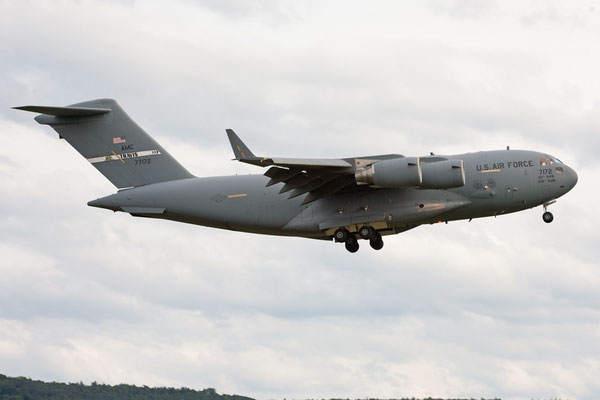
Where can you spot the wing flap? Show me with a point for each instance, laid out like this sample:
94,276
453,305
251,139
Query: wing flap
303,181
312,185
329,188
300,179
319,177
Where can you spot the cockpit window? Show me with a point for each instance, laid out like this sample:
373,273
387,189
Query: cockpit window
547,160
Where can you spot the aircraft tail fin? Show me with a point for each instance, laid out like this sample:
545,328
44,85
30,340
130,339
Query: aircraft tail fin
109,139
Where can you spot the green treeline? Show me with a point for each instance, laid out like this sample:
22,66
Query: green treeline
28,389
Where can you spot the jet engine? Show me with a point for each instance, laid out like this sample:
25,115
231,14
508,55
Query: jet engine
410,172
443,174
394,172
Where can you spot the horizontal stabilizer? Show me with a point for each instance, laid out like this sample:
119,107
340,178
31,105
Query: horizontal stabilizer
65,111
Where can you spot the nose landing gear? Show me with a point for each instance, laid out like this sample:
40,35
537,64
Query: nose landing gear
547,215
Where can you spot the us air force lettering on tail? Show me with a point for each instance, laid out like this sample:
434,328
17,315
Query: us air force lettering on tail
341,199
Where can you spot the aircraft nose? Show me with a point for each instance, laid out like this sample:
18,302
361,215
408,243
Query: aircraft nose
573,178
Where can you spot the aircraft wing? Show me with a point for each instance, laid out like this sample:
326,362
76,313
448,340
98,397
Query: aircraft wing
242,153
315,176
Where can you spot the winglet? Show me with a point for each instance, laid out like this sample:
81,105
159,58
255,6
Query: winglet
240,150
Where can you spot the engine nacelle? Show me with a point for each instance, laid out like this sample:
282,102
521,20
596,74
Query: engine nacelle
395,172
443,174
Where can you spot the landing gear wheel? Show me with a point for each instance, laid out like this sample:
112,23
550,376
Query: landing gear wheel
548,217
378,245
352,244
366,232
341,235
376,241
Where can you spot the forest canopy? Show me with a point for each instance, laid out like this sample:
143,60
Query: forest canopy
28,389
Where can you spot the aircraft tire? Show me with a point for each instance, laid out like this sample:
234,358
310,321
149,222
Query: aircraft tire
352,244
548,217
376,245
352,249
376,241
341,235
366,232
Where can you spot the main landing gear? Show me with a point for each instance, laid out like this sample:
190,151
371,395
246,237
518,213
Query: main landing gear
376,241
352,244
342,235
547,215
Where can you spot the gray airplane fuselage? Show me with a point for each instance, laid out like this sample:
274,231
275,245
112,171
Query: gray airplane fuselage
342,199
496,183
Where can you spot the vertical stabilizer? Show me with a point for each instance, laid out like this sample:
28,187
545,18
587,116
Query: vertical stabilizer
105,135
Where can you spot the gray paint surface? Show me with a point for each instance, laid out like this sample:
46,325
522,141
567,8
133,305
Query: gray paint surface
153,184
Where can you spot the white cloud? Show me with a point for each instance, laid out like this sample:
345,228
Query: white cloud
495,307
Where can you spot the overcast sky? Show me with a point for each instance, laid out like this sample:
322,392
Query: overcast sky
506,307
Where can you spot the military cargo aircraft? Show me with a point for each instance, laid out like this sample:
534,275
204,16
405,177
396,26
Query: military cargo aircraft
344,200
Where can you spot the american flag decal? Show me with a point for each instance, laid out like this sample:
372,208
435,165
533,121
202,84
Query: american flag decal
559,170
119,140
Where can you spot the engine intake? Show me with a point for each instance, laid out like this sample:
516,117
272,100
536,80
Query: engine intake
395,172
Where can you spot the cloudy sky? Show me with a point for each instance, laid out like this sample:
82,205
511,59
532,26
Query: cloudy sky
506,307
